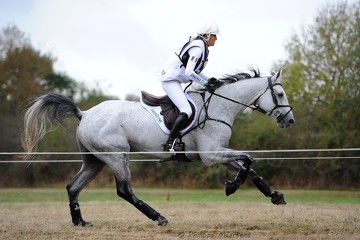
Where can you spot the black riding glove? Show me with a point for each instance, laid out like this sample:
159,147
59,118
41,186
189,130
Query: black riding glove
212,84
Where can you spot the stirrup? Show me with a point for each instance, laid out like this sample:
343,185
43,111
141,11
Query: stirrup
169,146
175,146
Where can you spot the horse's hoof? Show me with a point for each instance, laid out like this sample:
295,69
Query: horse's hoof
277,198
230,187
84,224
162,221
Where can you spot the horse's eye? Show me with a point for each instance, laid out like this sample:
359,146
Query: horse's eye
281,94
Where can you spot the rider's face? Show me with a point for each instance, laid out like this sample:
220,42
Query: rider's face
212,40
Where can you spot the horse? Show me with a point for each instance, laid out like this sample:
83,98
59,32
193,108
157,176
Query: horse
108,132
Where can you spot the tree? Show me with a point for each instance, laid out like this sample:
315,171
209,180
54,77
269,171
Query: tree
21,73
26,72
324,69
11,38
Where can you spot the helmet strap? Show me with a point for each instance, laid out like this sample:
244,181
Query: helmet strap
206,37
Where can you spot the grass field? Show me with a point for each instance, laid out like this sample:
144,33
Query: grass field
42,213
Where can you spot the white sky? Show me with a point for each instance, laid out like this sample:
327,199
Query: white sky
120,45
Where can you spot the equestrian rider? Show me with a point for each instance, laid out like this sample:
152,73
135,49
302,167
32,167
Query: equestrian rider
184,67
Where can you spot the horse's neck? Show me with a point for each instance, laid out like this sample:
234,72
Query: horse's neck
245,92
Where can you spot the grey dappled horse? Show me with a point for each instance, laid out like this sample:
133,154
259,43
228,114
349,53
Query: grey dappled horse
123,126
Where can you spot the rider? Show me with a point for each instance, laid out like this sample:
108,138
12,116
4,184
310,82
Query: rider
184,67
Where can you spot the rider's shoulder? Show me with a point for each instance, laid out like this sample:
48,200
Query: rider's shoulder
195,43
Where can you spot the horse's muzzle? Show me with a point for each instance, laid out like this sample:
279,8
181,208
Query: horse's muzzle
285,122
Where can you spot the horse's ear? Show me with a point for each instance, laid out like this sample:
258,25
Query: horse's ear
278,77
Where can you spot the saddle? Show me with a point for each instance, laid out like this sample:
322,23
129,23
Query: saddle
168,109
169,113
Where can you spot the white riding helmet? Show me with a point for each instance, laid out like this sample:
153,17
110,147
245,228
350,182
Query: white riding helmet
208,28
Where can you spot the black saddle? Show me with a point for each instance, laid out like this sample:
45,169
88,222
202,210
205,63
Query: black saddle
168,109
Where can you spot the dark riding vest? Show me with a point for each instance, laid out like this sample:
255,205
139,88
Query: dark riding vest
184,53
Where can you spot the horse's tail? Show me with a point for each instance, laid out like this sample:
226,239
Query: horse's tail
43,110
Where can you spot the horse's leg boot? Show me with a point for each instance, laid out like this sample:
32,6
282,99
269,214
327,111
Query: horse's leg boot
76,216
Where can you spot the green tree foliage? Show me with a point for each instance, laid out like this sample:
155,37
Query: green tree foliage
325,65
324,69
26,72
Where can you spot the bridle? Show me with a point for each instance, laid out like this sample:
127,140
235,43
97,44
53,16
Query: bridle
254,106
270,86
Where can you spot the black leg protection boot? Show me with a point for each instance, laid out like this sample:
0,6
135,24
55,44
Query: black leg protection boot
179,123
276,197
232,186
76,216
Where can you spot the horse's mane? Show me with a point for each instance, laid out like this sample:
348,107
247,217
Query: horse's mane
231,78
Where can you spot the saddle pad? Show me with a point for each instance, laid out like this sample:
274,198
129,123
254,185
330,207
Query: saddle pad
155,111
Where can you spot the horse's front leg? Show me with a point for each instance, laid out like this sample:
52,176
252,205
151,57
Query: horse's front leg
276,197
241,161
243,171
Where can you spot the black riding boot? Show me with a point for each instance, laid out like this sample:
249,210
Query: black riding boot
179,123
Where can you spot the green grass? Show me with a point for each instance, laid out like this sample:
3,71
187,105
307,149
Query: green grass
181,195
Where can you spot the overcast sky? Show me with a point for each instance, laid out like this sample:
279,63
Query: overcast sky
120,45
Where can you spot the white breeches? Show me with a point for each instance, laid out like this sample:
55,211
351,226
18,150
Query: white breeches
175,92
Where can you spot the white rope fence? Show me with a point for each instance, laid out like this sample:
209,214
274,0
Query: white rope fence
157,160
187,152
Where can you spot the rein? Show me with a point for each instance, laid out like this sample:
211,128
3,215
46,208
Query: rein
207,117
253,107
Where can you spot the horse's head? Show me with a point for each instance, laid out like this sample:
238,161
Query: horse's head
275,103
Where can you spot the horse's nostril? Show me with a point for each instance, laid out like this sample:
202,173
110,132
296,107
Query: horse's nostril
291,121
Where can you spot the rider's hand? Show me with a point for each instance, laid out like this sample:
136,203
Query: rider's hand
212,84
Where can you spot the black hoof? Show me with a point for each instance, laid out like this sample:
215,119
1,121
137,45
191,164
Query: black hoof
83,223
230,187
277,198
162,221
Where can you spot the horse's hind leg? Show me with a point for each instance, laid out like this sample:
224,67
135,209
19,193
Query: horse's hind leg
90,168
122,175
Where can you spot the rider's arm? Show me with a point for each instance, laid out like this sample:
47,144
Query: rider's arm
195,56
